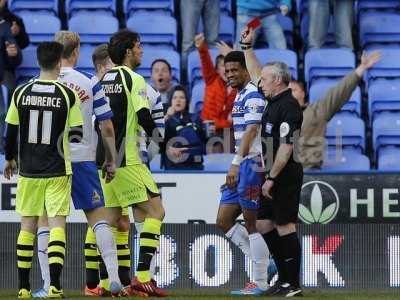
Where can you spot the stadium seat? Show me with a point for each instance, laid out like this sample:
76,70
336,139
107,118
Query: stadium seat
218,162
154,30
5,95
29,67
383,95
226,29
32,5
74,6
197,98
288,27
287,56
389,159
379,28
101,27
347,130
386,130
365,5
194,66
348,161
226,7
327,63
155,163
85,59
318,90
304,24
155,6
41,26
151,54
388,67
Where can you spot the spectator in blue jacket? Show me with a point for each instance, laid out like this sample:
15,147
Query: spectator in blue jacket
182,129
267,11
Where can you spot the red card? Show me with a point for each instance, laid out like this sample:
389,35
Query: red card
254,23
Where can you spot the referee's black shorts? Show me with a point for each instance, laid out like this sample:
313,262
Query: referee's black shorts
283,208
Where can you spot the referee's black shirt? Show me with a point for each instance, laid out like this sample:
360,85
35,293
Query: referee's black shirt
281,123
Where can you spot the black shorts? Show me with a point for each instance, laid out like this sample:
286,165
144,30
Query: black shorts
283,208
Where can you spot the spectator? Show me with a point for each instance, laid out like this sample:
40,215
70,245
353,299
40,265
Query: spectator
187,130
267,11
218,97
21,37
161,75
319,11
316,115
191,11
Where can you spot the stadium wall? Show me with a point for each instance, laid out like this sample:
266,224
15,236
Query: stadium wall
349,232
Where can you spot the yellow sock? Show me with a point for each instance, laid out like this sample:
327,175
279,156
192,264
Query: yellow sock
56,253
24,257
124,255
91,259
149,242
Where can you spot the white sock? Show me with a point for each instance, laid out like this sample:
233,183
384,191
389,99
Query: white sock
108,250
240,237
43,241
139,229
260,257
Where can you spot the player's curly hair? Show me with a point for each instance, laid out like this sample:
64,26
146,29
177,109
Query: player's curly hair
236,56
119,43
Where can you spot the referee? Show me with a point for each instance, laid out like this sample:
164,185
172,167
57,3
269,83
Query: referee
281,125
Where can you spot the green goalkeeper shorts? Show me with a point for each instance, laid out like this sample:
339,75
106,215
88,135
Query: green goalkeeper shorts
130,186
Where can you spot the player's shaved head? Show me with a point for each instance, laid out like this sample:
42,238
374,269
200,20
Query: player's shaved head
49,55
70,40
119,43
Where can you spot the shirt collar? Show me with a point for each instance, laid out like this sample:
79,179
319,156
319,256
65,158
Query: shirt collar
280,95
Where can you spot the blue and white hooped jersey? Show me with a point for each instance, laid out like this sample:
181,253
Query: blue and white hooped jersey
248,108
93,102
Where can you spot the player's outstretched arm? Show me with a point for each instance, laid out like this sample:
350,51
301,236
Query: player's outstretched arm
108,137
253,65
11,143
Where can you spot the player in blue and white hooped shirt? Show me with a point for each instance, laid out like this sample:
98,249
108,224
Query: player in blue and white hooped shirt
87,193
242,190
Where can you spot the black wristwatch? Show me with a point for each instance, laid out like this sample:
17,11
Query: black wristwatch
268,177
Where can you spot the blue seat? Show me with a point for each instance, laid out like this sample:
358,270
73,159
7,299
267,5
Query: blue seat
6,96
386,130
197,98
389,159
194,66
318,90
156,6
328,63
154,30
93,27
379,28
388,67
287,56
288,27
73,6
18,5
85,59
365,5
347,161
226,29
151,54
41,26
29,67
226,7
383,95
346,129
218,162
155,163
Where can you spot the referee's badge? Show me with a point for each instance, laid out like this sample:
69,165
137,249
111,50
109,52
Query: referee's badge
268,128
284,129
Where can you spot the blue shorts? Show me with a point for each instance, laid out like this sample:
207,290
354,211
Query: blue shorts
86,188
248,191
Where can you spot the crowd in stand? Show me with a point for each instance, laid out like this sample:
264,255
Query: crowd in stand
215,114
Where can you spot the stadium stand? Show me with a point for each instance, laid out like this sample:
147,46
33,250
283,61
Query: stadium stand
40,25
389,159
383,96
102,26
319,88
327,63
194,66
197,98
347,161
304,24
29,67
385,131
151,54
388,67
162,32
74,6
33,5
85,59
365,5
379,29
226,29
287,56
155,6
349,128
226,7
